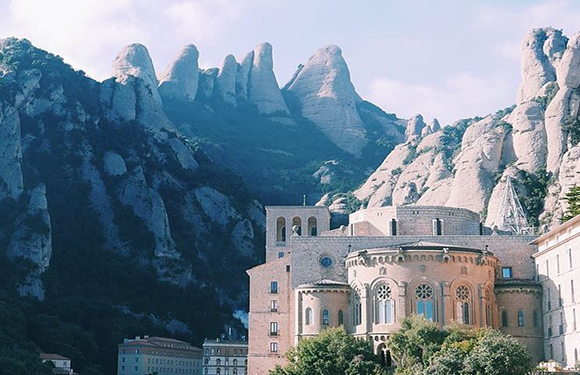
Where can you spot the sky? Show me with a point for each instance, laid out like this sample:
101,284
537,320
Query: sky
448,59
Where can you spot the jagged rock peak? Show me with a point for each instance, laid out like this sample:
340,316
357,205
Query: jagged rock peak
259,82
435,125
328,98
226,80
569,68
542,50
134,60
414,127
181,77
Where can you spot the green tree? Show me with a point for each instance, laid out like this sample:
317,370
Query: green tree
573,200
333,352
497,354
414,343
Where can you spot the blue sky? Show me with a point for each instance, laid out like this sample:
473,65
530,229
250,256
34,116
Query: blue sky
444,59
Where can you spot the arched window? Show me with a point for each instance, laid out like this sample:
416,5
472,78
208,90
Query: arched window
308,317
504,318
297,226
235,362
425,304
312,226
488,316
463,296
218,371
235,372
357,316
384,305
520,318
281,229
218,362
340,317
325,318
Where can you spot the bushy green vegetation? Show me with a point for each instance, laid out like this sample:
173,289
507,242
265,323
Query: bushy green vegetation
571,125
551,91
573,199
451,140
536,185
97,296
333,352
420,347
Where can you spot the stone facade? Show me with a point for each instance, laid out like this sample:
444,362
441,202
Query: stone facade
225,357
558,271
387,264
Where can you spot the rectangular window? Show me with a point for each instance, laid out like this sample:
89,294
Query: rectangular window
570,257
506,272
274,347
558,263
273,305
274,287
520,318
547,268
574,319
560,295
561,327
535,318
550,333
549,299
504,318
280,254
273,328
572,291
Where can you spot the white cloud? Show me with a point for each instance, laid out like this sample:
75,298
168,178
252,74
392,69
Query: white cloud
459,96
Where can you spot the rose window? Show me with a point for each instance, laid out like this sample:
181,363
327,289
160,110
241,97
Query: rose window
424,291
384,292
463,293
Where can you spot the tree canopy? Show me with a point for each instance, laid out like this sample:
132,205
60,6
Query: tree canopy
420,347
333,352
573,200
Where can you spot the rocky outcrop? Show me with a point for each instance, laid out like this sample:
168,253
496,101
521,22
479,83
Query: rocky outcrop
257,83
541,52
134,61
529,135
328,98
414,128
147,204
216,205
226,80
243,237
114,164
207,81
565,105
32,240
180,79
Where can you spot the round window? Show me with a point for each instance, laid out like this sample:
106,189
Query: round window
325,262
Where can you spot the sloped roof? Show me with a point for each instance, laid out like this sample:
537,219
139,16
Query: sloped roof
52,356
324,283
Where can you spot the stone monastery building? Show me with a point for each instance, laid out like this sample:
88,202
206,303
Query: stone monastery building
387,264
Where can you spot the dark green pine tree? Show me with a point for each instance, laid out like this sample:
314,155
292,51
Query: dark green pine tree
573,200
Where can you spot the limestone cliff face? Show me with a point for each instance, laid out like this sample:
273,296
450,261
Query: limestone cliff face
180,79
327,98
100,165
471,160
32,240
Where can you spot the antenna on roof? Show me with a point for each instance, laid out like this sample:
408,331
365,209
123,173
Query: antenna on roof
304,199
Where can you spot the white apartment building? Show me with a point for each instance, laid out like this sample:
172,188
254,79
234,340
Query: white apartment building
558,271
158,355
225,357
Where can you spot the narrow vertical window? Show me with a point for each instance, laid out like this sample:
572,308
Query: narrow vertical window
504,318
570,257
424,295
561,326
393,227
340,317
549,299
574,319
558,264
560,295
274,287
357,316
535,319
325,318
520,318
572,291
308,317
547,268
